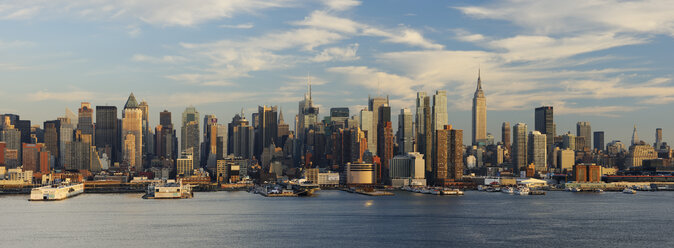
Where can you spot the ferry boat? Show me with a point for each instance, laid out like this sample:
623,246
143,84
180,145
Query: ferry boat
56,192
629,191
168,190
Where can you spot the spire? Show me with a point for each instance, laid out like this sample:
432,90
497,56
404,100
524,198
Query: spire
280,116
479,81
635,137
242,113
308,95
131,102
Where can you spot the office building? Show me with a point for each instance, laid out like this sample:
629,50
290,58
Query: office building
599,140
479,114
107,138
537,153
519,148
405,132
544,123
584,129
132,134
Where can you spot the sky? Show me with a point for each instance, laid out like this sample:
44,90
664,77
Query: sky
608,62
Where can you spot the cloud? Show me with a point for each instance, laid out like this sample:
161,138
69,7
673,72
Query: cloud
70,96
341,5
403,35
338,54
158,60
155,12
238,26
550,16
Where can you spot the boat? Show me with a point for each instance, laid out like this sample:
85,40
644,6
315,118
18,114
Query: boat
522,191
56,192
169,190
451,192
435,192
576,189
425,191
507,190
598,190
629,191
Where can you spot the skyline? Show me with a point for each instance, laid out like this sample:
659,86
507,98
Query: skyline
242,55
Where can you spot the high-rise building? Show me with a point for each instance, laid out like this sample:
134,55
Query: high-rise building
405,132
189,133
366,124
51,138
440,117
267,130
185,164
583,129
65,135
339,116
519,148
132,134
638,153
658,138
455,154
85,119
35,158
419,123
12,137
537,154
635,136
440,159
374,105
166,144
599,140
505,135
307,118
209,144
428,137
283,130
545,123
107,139
385,143
479,113
569,141
148,141
242,137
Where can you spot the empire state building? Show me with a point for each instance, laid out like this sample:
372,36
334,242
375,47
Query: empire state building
479,114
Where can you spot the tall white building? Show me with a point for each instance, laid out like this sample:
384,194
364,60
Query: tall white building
440,117
132,133
536,151
479,114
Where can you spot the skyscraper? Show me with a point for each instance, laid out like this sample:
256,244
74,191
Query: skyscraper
242,137
440,117
599,140
635,137
267,130
366,124
583,129
519,146
51,138
374,105
545,123
537,152
479,113
189,115
209,144
405,133
419,123
166,144
307,117
505,135
148,140
455,154
85,119
132,134
658,138
428,137
440,159
106,131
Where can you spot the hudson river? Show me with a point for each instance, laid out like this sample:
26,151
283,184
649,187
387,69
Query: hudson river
340,219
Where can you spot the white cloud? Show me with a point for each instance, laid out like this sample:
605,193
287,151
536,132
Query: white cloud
154,12
238,26
338,54
158,60
341,5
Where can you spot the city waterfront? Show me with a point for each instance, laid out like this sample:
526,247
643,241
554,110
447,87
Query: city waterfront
340,219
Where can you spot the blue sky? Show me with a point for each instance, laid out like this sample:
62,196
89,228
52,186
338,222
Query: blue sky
608,62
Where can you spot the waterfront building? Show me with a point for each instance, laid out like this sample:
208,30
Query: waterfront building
360,173
185,164
587,173
479,114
